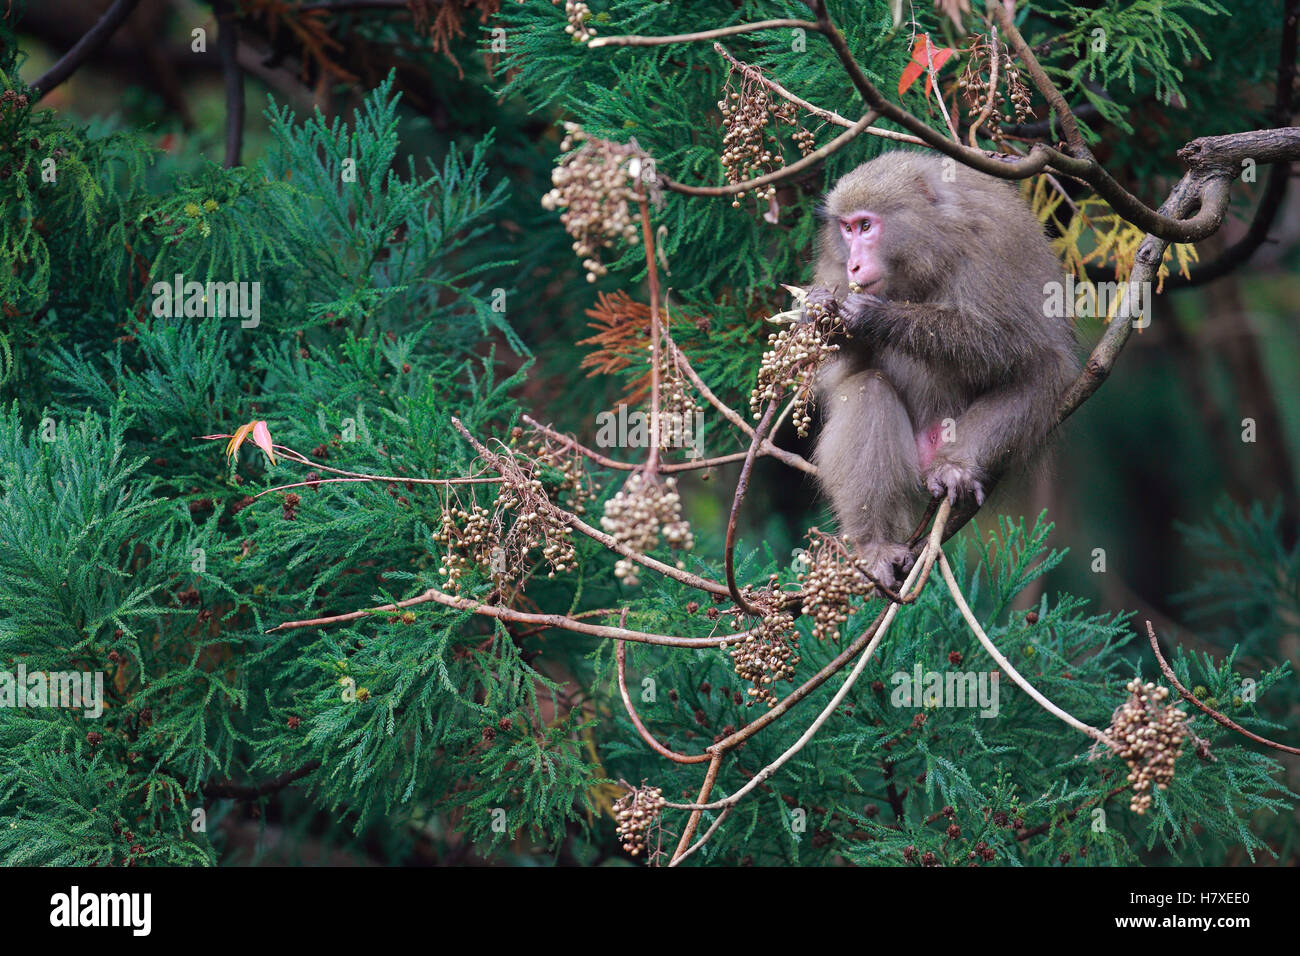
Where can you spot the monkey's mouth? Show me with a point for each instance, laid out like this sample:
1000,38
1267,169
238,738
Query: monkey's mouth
864,287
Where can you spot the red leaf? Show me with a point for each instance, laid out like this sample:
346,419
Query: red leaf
924,53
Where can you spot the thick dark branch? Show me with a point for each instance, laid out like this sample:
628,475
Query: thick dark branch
86,47
227,47
236,791
1270,203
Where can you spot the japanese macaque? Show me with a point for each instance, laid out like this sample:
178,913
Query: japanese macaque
950,372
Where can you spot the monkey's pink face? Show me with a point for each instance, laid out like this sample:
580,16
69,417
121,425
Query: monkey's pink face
865,262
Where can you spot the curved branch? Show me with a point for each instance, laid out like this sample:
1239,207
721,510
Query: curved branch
620,654
973,623
742,485
1219,718
1069,125
85,48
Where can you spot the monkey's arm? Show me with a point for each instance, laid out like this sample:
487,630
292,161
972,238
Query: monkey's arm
980,345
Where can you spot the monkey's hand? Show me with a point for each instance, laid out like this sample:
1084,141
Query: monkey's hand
858,310
819,302
885,561
951,480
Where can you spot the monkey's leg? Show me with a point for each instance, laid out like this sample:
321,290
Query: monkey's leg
868,463
994,431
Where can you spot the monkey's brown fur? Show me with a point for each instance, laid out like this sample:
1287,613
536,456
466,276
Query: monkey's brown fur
954,331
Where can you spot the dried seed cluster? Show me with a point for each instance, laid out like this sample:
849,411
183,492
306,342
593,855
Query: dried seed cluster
639,513
677,406
593,185
579,16
768,653
574,487
499,540
834,577
751,120
791,361
974,87
636,812
1150,735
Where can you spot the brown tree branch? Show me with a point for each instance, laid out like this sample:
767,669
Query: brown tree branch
86,47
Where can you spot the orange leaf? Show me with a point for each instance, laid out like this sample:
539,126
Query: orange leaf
924,54
261,438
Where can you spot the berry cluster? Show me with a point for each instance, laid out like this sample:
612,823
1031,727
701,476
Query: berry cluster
1150,735
677,406
593,185
636,812
792,359
829,583
750,144
768,653
574,487
579,16
641,511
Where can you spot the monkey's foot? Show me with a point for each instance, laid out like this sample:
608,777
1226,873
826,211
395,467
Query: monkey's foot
953,481
885,561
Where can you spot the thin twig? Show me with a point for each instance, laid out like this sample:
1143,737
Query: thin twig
620,654
955,590
1219,718
830,116
807,162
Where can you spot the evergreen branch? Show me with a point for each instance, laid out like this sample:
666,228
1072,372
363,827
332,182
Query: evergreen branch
86,47
1221,719
1031,832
